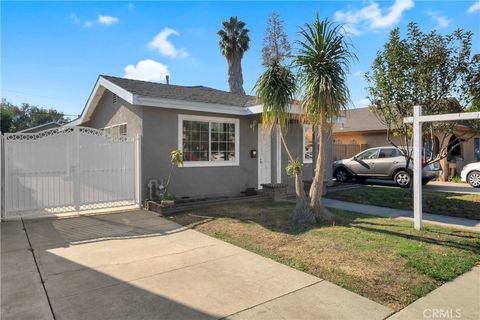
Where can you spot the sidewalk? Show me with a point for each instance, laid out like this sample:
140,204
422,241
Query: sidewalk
463,188
458,299
445,221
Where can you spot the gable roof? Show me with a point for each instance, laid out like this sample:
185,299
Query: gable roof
357,120
151,94
183,93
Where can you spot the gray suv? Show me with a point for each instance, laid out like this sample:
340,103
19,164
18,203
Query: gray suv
381,163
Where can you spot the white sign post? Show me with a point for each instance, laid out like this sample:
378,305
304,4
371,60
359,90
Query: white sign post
417,167
417,121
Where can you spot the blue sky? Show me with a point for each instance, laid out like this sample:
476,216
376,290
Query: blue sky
52,52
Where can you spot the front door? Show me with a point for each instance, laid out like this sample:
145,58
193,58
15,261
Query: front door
264,156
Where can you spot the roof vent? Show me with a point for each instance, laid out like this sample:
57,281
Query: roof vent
167,79
114,99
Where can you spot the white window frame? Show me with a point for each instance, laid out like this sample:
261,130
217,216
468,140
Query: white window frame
305,129
209,163
117,125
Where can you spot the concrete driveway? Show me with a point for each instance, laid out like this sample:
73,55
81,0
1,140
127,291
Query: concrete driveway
137,265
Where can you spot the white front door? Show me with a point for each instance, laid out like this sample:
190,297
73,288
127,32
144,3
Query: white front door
264,156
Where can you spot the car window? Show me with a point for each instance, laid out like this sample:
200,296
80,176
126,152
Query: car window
369,154
388,153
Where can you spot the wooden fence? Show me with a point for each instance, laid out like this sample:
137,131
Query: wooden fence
344,151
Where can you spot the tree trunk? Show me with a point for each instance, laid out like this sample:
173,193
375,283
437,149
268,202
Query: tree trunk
235,76
302,213
321,213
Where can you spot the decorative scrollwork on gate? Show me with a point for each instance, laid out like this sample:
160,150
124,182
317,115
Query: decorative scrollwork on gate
101,133
64,131
39,135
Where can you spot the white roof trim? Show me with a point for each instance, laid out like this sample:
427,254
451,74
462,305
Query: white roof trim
133,99
256,109
189,105
101,83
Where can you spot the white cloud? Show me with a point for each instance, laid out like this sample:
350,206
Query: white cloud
372,17
104,20
165,47
474,7
147,70
442,21
107,20
358,73
363,103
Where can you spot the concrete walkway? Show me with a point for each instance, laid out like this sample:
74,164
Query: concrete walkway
137,265
451,187
445,221
458,299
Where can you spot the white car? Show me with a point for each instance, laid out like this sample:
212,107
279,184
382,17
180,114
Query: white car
471,174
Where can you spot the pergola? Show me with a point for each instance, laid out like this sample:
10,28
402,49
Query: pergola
417,121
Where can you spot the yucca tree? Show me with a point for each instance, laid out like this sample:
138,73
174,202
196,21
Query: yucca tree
275,88
323,60
234,41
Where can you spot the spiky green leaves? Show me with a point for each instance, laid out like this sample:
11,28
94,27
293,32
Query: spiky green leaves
275,89
294,167
323,60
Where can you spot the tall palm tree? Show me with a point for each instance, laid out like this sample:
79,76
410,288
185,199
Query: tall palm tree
323,60
234,41
275,88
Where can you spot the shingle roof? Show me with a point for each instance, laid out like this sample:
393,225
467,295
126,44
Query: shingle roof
185,93
361,119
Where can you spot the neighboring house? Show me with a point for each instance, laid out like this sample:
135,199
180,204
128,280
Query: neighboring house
45,126
219,133
360,129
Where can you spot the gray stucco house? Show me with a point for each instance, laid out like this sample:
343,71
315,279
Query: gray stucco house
220,134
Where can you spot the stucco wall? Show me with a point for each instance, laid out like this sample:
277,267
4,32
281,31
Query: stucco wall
108,113
160,136
159,130
294,138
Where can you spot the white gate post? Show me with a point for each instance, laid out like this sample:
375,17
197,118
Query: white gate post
417,167
138,169
75,166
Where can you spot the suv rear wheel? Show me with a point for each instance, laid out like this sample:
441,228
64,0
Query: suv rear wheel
473,178
402,179
342,175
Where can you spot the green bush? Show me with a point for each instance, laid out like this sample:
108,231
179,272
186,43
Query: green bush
455,179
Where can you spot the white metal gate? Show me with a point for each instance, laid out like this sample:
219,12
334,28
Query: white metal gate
69,169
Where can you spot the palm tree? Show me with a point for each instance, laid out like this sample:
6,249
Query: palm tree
233,43
276,89
323,60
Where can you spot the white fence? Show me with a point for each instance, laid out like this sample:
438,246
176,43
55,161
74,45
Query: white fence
68,169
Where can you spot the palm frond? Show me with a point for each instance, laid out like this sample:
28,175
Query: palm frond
323,58
275,89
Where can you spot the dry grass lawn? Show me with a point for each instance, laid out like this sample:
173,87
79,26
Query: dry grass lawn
382,259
